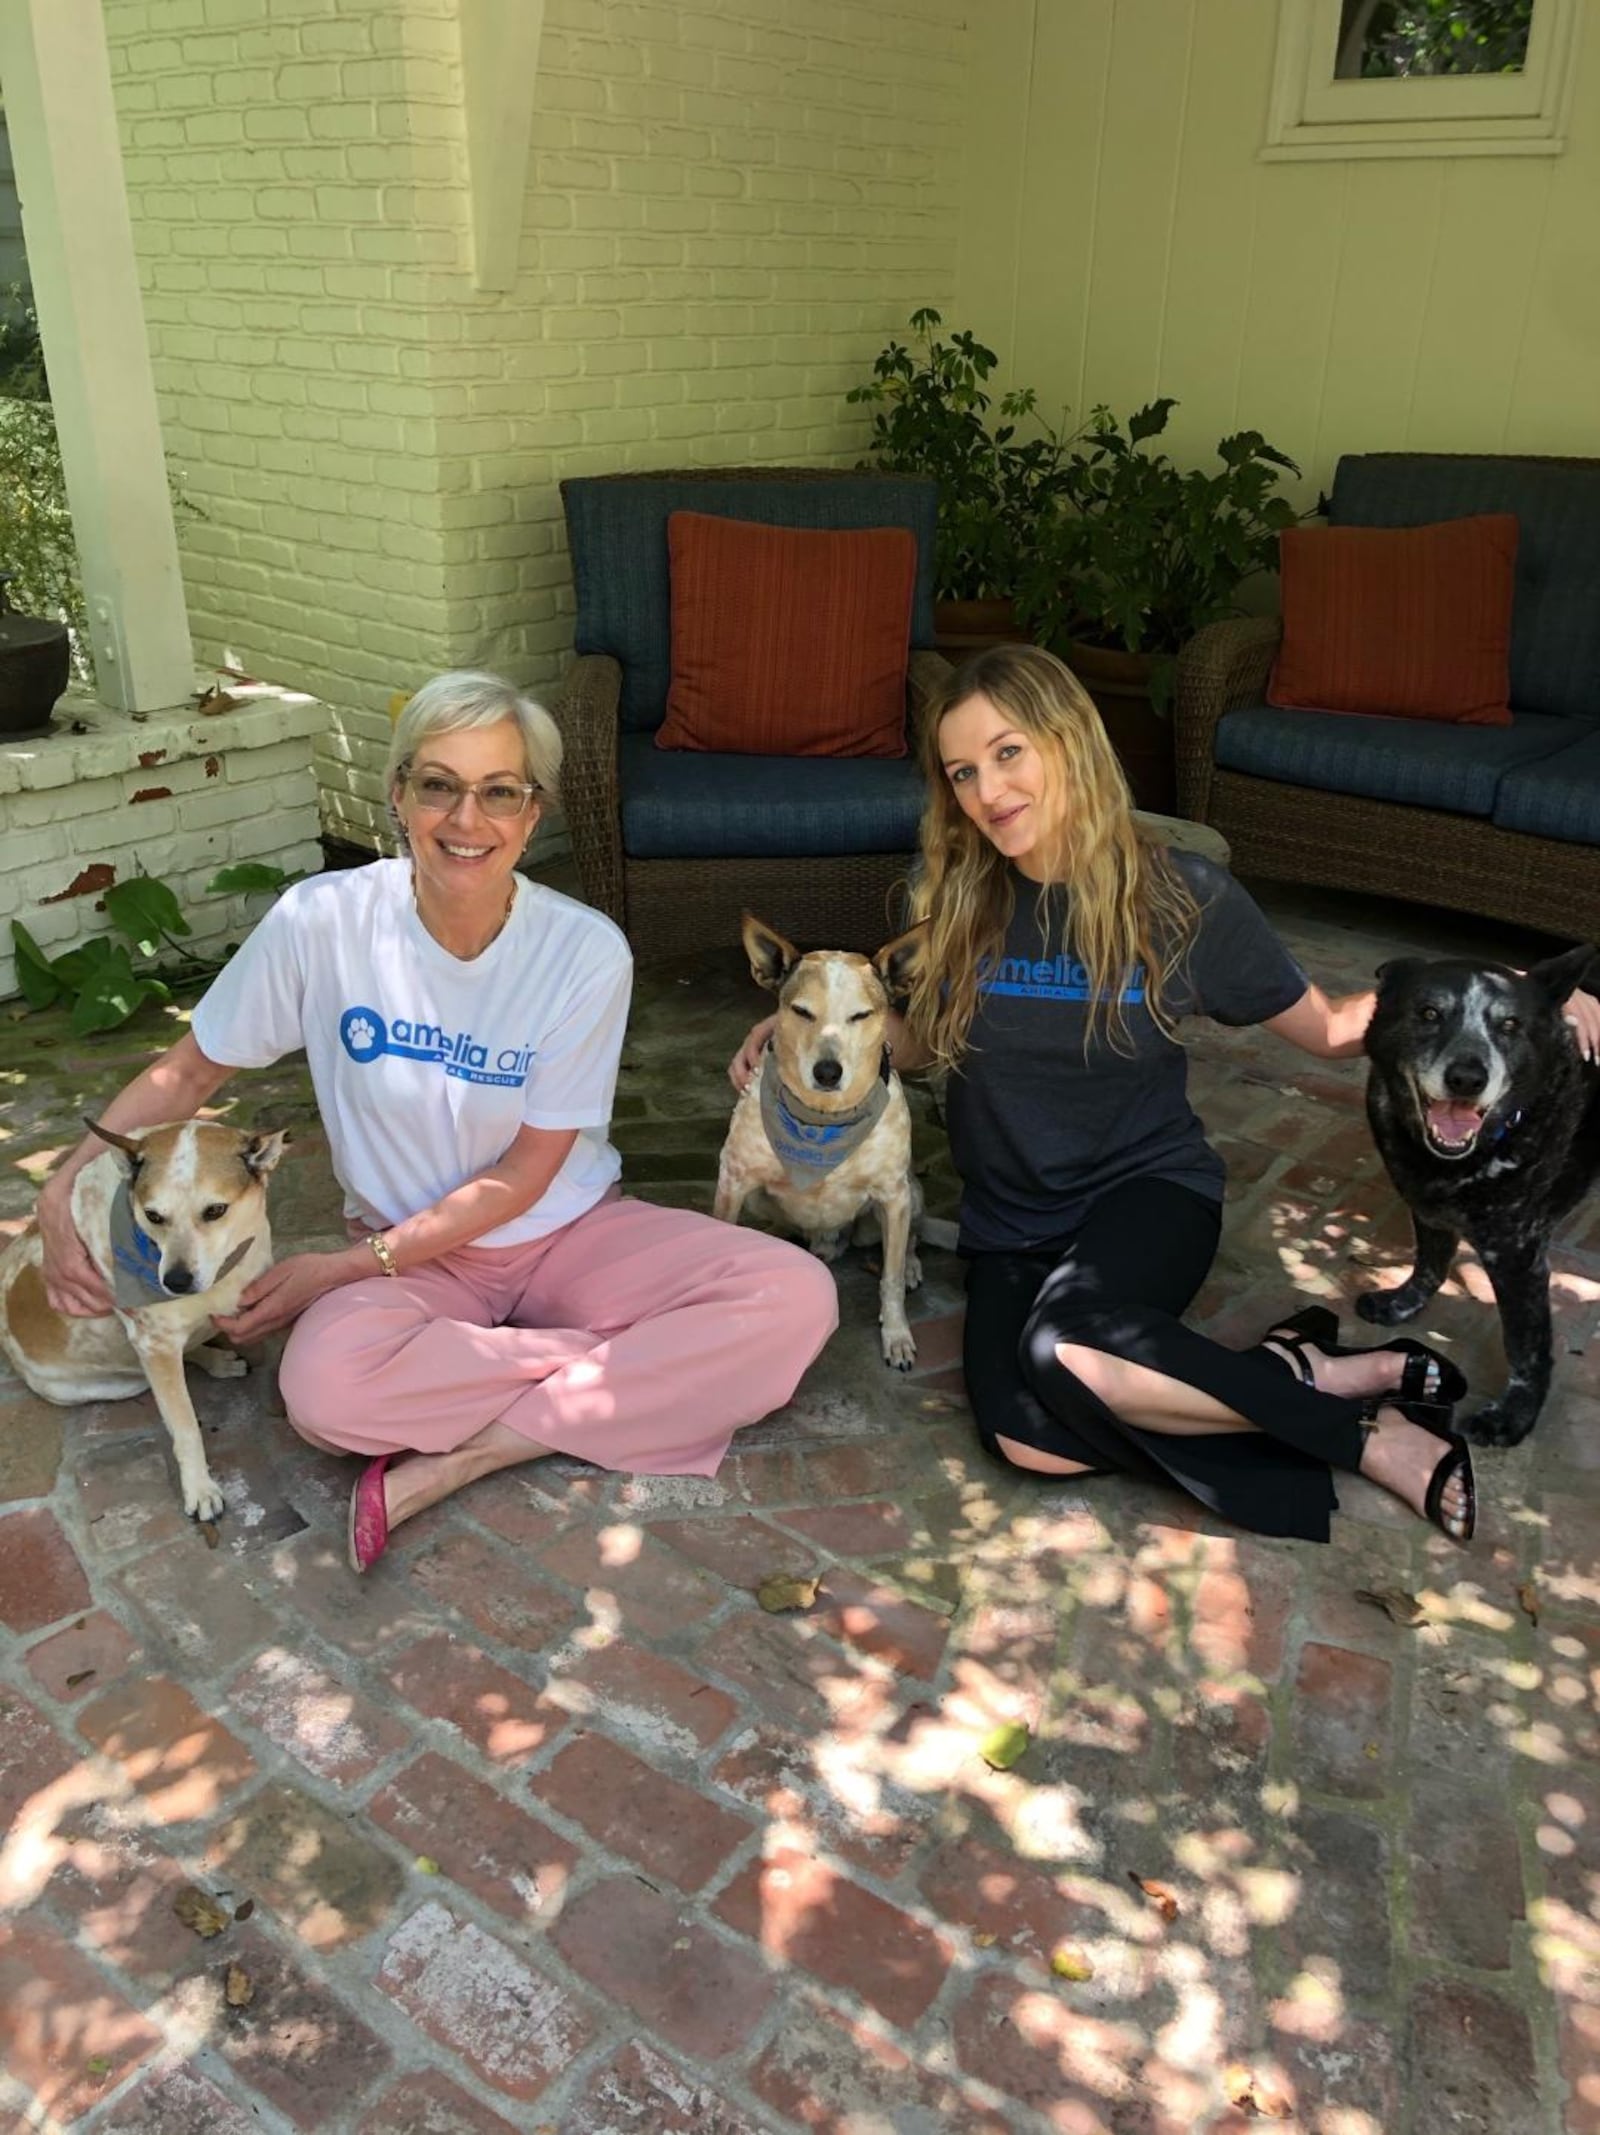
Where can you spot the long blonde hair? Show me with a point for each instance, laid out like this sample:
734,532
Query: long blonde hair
1126,905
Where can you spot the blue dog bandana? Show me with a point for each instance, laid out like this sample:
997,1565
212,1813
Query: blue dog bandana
811,1144
135,1257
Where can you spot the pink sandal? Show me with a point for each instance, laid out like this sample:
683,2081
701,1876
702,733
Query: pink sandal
369,1516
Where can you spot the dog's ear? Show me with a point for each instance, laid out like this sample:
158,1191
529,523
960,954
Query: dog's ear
132,1150
260,1153
896,962
771,957
1397,971
1559,975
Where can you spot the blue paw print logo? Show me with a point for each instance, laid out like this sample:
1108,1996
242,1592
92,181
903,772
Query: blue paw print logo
364,1034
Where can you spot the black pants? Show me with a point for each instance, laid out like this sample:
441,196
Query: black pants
1118,1285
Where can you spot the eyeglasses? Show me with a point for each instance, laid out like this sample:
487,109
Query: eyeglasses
439,793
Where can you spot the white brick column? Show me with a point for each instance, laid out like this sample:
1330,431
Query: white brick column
56,75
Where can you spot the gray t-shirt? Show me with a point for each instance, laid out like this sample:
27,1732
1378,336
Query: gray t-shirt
1039,1130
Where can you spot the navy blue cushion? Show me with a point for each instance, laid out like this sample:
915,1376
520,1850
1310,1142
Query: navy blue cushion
617,529
1555,621
1558,797
682,804
1425,762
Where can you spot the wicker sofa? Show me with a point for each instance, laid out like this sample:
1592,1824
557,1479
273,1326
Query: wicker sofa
674,844
1502,821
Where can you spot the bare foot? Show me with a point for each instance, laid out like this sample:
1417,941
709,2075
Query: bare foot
1401,1458
1370,1371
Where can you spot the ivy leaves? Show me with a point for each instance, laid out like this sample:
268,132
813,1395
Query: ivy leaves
99,978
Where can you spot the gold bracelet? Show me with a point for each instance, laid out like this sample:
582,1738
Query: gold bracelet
382,1252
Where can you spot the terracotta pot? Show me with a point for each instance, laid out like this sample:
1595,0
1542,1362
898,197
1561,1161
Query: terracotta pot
963,626
1119,683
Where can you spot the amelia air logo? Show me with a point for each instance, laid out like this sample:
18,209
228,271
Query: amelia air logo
1056,978
366,1037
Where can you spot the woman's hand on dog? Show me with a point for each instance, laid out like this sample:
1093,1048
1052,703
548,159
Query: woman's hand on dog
72,1282
747,1059
278,1298
1582,1012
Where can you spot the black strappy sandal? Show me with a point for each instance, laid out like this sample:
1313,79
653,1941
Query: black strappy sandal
1432,1407
1456,1460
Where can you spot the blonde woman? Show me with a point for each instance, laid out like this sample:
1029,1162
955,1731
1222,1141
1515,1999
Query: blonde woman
500,1297
1066,949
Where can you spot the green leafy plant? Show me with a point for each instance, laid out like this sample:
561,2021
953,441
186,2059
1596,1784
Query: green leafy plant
99,978
36,540
1147,552
932,417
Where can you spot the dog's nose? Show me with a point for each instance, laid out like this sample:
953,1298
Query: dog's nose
827,1074
1466,1078
178,1278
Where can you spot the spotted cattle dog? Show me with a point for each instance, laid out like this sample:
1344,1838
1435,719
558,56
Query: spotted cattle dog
1488,1119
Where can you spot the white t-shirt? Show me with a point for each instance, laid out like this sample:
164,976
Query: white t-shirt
425,1067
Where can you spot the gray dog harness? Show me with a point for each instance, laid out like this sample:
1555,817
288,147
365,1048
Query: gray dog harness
810,1144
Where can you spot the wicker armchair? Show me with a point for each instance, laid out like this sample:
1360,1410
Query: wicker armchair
672,846
1525,848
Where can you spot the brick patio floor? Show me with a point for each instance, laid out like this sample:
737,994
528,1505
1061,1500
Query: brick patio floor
546,1825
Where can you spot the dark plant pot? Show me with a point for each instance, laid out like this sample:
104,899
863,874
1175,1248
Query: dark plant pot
965,626
34,663
1119,683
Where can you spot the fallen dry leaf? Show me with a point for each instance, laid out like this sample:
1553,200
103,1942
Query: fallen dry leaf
195,1909
244,1909
1399,1606
1528,1600
1164,1901
82,1676
426,1865
778,1593
1069,1963
238,1989
985,1941
1001,1748
1248,2092
209,1529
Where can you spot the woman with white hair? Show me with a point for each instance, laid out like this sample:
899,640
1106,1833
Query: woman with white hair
500,1298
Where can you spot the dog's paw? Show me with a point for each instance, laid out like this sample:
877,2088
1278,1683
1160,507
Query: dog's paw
913,1272
899,1350
219,1363
204,1501
1388,1308
1501,1423
828,1245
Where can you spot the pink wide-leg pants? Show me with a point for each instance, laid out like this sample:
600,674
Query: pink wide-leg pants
637,1337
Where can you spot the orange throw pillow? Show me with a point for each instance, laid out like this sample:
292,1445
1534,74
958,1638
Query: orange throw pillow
788,641
1410,622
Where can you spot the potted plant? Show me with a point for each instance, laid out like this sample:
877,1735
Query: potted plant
1145,555
995,487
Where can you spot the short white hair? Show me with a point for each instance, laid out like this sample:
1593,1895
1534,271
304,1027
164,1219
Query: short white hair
453,703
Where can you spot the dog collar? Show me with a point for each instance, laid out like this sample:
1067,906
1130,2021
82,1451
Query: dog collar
135,1257
810,1144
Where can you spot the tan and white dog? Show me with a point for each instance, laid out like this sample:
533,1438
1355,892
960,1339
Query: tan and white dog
175,1220
823,1130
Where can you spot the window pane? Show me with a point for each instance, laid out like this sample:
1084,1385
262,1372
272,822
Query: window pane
1382,38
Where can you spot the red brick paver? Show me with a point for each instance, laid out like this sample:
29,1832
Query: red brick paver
547,1825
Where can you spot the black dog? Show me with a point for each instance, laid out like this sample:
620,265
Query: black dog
1488,1119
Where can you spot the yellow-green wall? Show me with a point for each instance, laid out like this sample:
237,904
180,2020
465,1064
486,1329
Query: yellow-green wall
1120,238
729,205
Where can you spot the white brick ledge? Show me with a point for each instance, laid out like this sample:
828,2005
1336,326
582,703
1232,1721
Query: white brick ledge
176,794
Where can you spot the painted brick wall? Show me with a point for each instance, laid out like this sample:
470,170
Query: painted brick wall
179,798
729,206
